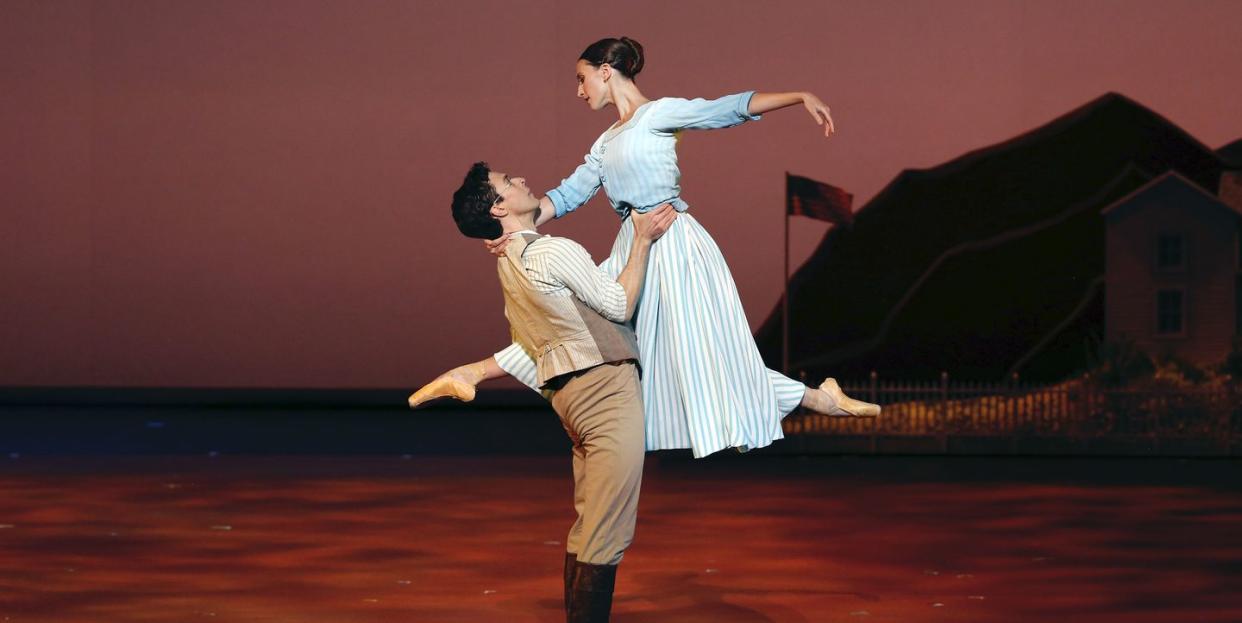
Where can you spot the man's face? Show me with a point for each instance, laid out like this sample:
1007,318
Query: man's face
513,196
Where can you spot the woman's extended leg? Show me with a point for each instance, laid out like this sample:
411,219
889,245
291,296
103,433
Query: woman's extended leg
827,399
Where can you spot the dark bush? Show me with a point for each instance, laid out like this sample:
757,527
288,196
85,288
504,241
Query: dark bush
1118,363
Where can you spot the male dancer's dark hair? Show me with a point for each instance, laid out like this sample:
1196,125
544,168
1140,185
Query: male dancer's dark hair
472,205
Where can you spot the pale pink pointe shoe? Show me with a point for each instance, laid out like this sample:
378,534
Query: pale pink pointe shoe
443,387
844,405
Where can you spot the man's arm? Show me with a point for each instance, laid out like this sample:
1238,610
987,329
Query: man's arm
647,229
567,264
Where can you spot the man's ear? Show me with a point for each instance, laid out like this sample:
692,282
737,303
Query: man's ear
498,210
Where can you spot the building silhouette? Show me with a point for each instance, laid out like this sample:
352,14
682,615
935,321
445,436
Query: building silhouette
993,264
1172,269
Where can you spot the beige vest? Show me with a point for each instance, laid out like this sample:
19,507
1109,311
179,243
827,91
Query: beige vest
561,333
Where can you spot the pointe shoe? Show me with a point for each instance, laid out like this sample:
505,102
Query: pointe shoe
844,405
443,387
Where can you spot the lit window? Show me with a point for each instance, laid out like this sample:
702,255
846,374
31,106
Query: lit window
1170,312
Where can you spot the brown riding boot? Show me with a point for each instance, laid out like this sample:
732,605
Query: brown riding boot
570,559
592,593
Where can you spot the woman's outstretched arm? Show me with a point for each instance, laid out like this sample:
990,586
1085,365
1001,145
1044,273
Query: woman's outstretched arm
673,114
767,102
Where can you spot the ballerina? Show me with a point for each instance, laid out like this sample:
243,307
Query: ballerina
704,385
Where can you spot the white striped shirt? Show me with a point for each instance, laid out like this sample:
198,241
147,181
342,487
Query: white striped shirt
562,267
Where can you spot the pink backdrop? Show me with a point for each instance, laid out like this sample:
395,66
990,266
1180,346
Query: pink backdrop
256,194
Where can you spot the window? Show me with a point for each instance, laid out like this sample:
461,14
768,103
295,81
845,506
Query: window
1170,312
1170,251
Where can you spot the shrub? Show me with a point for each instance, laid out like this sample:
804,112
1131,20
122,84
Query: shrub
1233,363
1118,363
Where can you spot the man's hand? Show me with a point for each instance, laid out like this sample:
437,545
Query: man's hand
647,229
653,224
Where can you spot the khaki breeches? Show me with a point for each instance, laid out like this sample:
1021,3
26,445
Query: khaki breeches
602,410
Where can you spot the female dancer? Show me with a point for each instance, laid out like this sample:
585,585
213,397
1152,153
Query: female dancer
704,384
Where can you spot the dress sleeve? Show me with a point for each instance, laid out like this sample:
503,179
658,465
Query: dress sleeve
570,264
580,186
674,113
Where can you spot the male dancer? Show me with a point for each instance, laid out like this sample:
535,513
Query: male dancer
569,316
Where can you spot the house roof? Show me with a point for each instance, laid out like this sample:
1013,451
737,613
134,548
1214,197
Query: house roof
1231,155
1172,186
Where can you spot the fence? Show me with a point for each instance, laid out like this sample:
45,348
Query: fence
1069,418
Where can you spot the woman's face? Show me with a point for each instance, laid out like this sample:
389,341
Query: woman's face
593,84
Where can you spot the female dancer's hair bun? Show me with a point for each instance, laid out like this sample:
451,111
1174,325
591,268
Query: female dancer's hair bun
624,55
637,62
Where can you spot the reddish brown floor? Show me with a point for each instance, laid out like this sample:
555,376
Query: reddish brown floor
746,539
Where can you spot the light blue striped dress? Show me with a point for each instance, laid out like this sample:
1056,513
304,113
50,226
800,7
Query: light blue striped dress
704,385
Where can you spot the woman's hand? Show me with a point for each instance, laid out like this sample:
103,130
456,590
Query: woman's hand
819,112
497,247
766,102
547,212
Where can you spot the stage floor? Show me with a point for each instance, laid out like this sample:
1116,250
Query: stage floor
310,539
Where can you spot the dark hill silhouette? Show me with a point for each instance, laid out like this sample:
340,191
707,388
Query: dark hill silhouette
969,266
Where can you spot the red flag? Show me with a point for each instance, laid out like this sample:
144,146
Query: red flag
807,197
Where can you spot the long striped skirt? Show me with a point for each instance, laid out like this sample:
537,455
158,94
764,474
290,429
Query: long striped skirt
704,384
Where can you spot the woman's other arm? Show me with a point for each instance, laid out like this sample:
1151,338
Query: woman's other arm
547,211
576,189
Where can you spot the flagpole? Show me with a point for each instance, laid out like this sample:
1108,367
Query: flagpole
825,202
785,298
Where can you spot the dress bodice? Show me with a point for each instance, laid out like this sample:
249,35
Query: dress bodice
636,162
